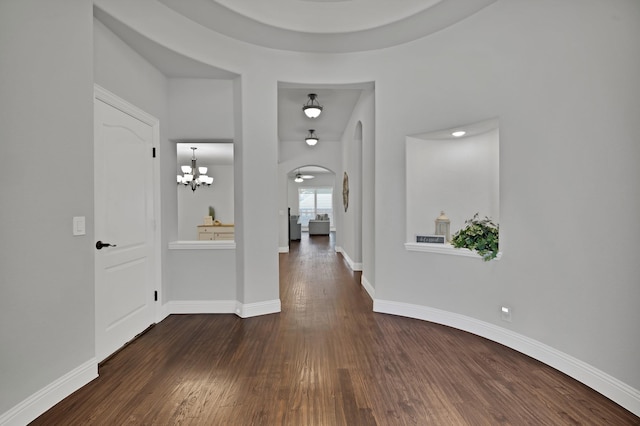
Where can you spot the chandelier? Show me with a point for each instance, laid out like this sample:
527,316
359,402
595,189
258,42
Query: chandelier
194,176
312,108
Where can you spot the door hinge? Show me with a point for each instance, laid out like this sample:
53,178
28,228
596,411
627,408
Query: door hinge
155,295
154,152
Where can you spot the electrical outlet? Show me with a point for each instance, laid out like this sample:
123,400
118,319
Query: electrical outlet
505,313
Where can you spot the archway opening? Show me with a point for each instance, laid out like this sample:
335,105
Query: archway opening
311,197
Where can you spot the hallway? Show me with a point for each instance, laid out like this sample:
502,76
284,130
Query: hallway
326,359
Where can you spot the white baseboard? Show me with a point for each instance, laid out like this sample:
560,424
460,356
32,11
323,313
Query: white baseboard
609,386
222,307
355,266
368,287
283,249
248,310
200,307
32,407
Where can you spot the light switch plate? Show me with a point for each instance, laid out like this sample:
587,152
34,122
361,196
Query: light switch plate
79,225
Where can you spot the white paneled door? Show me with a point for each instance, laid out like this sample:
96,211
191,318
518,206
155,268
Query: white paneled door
124,222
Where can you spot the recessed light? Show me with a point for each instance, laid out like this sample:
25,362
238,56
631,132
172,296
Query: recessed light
458,133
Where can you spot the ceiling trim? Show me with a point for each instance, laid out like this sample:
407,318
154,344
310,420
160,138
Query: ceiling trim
225,21
327,16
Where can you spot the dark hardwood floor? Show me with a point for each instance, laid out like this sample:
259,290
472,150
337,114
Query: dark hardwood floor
326,359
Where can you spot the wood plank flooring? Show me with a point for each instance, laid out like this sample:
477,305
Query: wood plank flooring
326,359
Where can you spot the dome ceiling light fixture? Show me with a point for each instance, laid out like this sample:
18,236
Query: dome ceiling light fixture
312,108
311,138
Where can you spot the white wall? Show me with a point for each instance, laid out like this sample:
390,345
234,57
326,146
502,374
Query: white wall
255,181
121,70
200,108
356,240
200,278
46,129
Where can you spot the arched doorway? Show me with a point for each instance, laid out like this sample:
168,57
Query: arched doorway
311,201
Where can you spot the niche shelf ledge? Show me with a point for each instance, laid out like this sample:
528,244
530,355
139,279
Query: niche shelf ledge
446,249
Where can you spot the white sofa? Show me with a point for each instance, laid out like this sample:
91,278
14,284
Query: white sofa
319,225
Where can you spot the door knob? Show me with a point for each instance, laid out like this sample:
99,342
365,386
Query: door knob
100,244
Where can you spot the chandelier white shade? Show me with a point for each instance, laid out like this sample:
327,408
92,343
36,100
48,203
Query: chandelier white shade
194,176
312,108
311,138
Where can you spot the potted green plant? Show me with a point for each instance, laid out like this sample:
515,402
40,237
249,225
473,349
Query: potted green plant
480,235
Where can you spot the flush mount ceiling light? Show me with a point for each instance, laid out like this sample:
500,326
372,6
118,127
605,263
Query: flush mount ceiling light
311,138
312,108
194,176
458,133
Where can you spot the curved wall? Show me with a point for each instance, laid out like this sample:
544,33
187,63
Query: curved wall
567,101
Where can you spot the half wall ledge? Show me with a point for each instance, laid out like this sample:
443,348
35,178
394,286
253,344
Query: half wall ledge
447,249
202,245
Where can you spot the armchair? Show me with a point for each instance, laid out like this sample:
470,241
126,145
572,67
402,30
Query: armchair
294,228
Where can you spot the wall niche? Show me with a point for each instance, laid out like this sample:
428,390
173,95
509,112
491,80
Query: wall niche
454,173
193,206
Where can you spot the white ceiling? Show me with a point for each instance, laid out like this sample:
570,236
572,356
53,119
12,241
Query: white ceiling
169,62
327,16
208,154
337,101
